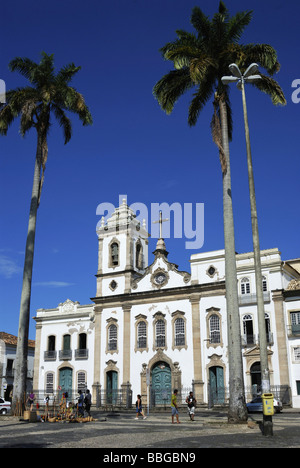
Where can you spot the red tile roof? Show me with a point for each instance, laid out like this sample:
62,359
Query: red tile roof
12,340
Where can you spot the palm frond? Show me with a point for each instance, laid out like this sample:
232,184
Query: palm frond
170,87
237,25
64,121
24,66
6,119
263,54
201,23
200,99
199,68
67,72
270,86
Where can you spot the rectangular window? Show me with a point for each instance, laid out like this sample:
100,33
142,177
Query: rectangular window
49,382
297,354
295,318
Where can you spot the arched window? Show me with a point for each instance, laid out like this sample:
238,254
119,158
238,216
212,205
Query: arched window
112,338
114,254
142,335
179,332
82,351
268,329
139,256
245,286
160,334
82,341
66,352
49,382
248,330
66,342
81,381
214,329
50,354
51,343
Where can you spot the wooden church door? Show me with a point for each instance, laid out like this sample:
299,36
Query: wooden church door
162,383
217,389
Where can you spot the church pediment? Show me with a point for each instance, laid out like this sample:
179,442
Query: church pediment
255,352
68,306
161,273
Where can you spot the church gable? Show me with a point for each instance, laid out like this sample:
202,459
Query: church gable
161,274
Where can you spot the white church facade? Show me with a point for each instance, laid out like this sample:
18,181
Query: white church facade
153,326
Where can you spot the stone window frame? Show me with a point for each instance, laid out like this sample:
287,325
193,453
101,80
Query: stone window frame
139,256
79,385
175,316
114,240
47,385
112,321
157,317
209,313
245,281
138,319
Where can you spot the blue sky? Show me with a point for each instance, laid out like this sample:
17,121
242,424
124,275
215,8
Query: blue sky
133,148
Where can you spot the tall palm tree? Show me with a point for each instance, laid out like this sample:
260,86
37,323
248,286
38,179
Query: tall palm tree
200,60
49,94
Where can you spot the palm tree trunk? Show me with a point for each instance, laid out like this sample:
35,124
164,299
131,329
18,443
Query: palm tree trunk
20,375
237,406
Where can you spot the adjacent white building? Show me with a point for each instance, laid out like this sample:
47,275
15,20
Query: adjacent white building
8,350
153,324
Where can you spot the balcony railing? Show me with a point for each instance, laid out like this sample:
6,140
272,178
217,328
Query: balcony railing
250,340
245,299
293,330
65,354
81,353
50,355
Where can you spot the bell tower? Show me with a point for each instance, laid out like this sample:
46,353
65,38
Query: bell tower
123,251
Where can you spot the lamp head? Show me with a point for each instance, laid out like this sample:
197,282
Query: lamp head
229,79
251,70
235,70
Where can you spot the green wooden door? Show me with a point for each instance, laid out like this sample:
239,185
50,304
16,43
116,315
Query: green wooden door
217,389
112,387
66,380
162,383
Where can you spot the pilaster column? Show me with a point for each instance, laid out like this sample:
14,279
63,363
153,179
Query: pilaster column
97,352
277,297
37,357
197,355
126,343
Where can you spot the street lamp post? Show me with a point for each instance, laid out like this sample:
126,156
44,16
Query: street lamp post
241,79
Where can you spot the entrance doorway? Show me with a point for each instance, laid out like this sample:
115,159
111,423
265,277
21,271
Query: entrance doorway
255,373
161,383
112,387
66,380
217,389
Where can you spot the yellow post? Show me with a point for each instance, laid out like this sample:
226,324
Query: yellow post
268,404
268,411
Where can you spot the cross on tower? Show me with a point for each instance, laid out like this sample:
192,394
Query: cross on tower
160,221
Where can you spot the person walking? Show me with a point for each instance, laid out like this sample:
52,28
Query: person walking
174,407
139,408
191,402
30,400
